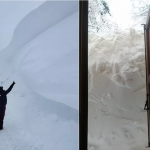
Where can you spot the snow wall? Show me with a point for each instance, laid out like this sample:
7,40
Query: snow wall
49,66
116,78
40,54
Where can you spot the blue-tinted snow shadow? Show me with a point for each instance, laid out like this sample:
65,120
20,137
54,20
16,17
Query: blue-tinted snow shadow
63,111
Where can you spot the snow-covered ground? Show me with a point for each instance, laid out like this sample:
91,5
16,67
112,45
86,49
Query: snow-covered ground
41,55
116,119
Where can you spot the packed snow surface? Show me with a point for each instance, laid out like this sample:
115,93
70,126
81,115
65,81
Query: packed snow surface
41,56
116,78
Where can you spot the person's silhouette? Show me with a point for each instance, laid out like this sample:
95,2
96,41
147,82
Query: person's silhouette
3,102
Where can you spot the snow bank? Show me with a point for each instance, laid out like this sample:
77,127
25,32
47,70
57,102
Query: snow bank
120,56
42,58
117,91
50,66
44,49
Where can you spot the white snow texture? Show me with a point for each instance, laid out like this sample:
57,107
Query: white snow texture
116,77
39,51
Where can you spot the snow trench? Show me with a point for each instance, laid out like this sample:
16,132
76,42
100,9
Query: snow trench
42,58
44,51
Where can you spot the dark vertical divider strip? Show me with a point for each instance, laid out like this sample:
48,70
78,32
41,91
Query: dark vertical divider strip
83,74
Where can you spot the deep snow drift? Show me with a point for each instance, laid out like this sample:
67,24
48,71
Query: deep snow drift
42,58
117,91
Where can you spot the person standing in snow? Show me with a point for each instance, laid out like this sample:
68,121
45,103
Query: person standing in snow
3,102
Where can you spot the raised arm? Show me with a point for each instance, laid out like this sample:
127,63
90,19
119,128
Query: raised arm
10,88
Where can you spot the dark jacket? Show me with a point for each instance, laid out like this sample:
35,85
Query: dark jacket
3,97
